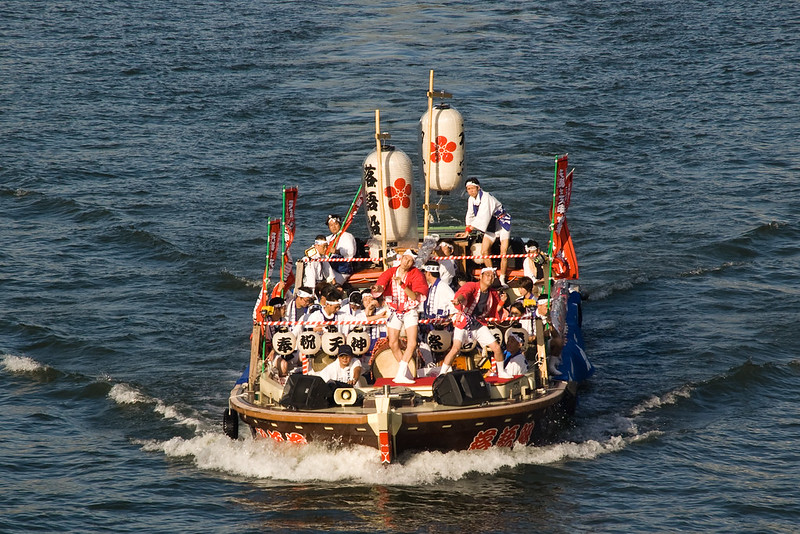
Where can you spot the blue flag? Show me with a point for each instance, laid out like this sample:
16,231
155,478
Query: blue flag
575,365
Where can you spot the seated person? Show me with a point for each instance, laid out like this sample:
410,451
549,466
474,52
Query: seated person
346,368
515,362
374,310
502,308
314,270
447,271
329,310
341,244
298,303
527,286
274,311
345,246
353,310
533,265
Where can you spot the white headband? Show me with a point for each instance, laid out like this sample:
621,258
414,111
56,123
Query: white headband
333,303
530,248
320,241
514,335
409,252
488,269
471,182
303,294
432,268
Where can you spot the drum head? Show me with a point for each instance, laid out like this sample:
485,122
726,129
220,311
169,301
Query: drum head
320,360
385,365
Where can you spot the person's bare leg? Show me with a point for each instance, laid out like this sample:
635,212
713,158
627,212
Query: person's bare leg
394,343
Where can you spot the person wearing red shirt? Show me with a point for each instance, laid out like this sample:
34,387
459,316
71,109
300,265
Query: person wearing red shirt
476,302
404,288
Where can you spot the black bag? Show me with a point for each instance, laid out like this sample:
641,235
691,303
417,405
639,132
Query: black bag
306,392
341,267
461,388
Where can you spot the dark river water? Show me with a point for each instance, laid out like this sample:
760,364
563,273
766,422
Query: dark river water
143,145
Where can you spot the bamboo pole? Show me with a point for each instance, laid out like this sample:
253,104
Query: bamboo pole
549,282
382,193
255,337
541,351
429,144
283,236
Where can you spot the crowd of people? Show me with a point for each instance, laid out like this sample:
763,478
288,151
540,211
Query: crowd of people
402,295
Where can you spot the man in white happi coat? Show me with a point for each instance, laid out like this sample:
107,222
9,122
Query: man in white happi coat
346,245
486,213
438,305
315,269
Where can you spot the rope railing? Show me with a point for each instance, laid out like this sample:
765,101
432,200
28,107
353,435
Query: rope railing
435,258
374,322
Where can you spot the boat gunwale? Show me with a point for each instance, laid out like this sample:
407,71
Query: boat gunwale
497,408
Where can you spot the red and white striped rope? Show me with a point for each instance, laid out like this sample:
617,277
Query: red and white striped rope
434,320
435,258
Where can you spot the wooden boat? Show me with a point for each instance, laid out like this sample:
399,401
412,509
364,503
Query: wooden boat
462,410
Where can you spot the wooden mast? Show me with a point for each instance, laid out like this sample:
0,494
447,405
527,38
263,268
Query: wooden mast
381,193
426,206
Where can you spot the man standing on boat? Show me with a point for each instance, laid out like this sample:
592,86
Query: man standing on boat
486,213
437,305
476,302
404,288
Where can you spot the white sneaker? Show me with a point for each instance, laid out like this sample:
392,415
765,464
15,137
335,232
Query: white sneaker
403,375
501,370
403,379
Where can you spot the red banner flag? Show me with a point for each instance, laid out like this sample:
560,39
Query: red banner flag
274,235
289,207
290,223
272,256
563,190
565,263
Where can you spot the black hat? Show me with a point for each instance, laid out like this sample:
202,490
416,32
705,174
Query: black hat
344,350
355,298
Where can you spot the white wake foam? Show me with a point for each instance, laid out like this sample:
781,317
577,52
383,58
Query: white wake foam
127,394
669,398
20,364
265,459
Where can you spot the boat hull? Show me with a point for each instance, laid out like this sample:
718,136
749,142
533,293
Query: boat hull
425,427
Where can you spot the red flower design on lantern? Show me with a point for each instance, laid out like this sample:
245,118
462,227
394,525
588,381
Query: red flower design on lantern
442,150
399,194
